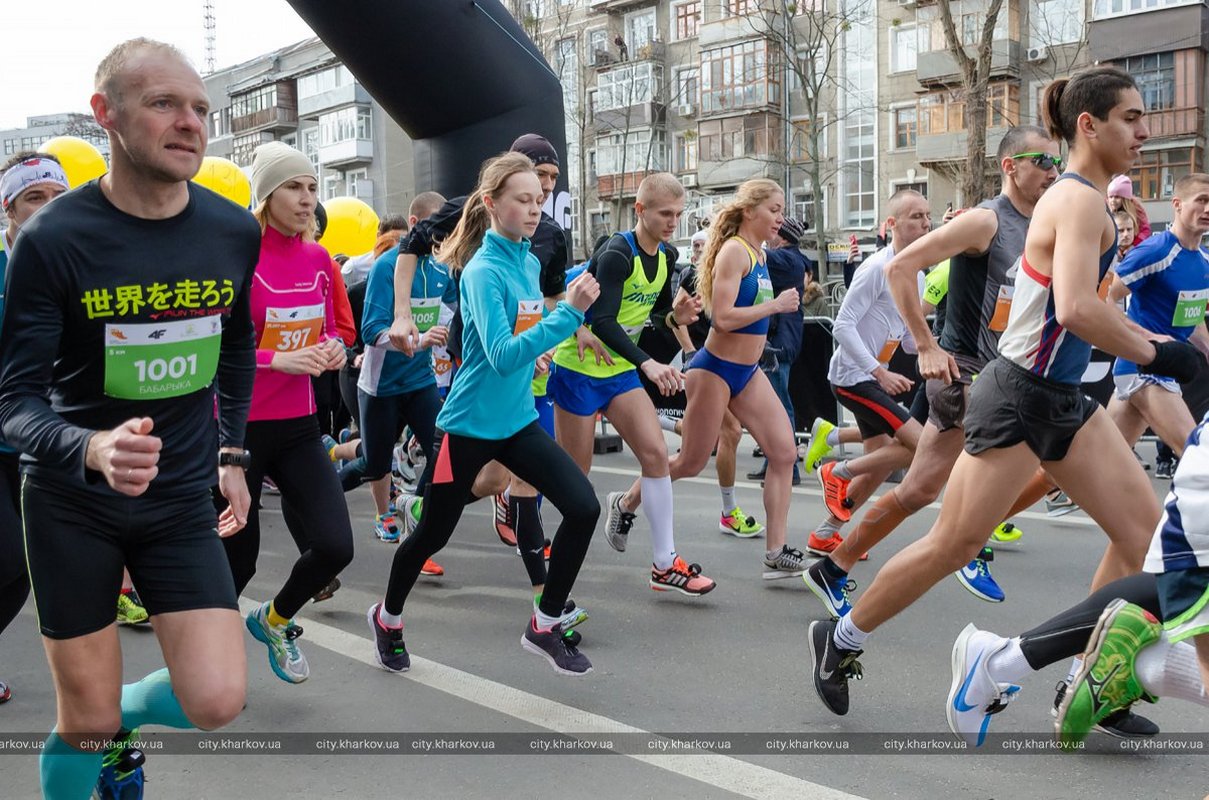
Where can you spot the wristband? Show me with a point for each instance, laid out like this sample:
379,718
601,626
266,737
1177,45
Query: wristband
670,320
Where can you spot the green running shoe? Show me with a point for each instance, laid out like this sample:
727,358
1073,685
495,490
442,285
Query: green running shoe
130,612
736,523
1106,682
819,448
1006,533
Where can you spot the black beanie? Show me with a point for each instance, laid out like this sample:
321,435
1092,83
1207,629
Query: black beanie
537,148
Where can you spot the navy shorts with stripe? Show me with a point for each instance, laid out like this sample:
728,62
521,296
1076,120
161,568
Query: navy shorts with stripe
876,412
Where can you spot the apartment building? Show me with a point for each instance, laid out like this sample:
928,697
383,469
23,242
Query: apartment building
40,129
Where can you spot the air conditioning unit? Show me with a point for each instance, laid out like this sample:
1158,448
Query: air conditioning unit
1036,54
602,58
689,180
906,3
686,109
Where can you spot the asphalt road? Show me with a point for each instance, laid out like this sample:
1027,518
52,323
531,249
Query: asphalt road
477,717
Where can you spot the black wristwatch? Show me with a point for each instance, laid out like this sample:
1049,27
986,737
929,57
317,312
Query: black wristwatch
241,459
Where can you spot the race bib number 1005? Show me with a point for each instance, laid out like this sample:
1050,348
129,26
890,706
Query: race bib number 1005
158,360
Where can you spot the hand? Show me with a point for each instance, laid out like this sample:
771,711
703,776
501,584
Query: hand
336,354
787,301
894,383
401,332
307,361
1178,360
436,336
583,291
586,340
233,484
936,364
128,456
542,366
854,250
665,377
686,308
358,360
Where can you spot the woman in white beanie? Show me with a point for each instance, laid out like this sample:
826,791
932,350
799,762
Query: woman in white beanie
296,339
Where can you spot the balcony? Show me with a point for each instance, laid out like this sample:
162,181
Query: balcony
347,153
612,186
947,147
276,119
734,171
1172,122
606,6
312,106
939,67
269,108
1145,32
730,29
640,115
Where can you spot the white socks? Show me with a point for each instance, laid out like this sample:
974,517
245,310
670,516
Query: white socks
728,500
1171,670
833,438
657,505
842,471
848,636
387,620
1009,664
667,423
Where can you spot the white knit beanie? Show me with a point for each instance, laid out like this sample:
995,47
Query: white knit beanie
274,163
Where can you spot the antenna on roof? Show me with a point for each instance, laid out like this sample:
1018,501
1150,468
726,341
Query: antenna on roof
208,11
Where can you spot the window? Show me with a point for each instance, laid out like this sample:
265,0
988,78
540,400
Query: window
333,186
1155,75
857,149
688,89
534,10
627,85
801,148
750,136
685,145
598,41
803,210
243,146
10,147
325,81
641,151
220,123
904,125
738,8
738,76
346,124
904,42
810,64
261,99
686,19
1003,105
968,18
310,146
566,59
945,111
1055,22
1116,8
1156,172
918,186
640,30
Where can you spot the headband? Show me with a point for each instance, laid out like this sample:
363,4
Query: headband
30,172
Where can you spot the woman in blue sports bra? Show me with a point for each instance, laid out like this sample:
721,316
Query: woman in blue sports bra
736,293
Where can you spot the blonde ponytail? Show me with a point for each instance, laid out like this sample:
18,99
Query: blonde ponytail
461,245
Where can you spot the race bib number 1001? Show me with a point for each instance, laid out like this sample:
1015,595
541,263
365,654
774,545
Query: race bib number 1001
158,360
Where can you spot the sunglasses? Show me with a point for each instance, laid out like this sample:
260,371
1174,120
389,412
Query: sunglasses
1043,160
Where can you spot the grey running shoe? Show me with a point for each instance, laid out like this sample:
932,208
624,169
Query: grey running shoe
832,666
285,658
789,563
1057,504
617,523
551,645
389,650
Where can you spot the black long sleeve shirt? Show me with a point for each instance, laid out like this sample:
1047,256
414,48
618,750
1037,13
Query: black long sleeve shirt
110,316
612,265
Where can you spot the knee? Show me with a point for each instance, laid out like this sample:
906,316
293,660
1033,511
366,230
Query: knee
688,465
337,553
915,496
90,716
781,454
652,457
217,704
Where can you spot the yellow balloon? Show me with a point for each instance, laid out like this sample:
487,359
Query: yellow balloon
352,226
224,177
81,161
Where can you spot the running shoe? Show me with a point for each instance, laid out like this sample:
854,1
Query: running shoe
835,492
400,466
122,763
1057,504
386,528
681,577
346,435
976,576
268,487
618,523
818,546
503,521
390,652
1006,533
736,523
6,694
832,666
1123,724
1165,468
130,611
393,493
410,509
818,449
789,563
285,658
415,455
329,447
432,569
552,645
572,613
833,593
973,695
1106,681
327,592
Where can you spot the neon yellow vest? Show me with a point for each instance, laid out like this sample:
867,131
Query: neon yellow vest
638,297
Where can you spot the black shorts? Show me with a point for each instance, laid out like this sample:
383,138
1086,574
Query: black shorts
947,403
876,412
77,542
1009,405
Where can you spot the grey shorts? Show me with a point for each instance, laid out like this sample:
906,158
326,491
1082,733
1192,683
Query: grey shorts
947,402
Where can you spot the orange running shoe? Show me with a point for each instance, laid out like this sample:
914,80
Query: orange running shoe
681,577
432,568
835,492
818,546
502,522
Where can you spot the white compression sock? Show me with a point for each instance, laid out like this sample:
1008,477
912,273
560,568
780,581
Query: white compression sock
728,499
667,423
848,636
657,505
833,438
1172,670
1009,664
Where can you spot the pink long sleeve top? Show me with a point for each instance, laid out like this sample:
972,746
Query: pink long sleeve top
292,308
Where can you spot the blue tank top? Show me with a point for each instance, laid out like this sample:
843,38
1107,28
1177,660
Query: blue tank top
754,289
1033,338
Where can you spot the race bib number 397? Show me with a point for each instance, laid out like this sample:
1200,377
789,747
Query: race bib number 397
158,360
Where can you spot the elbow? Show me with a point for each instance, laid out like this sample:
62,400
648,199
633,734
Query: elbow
1072,316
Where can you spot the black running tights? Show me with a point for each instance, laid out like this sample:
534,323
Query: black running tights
14,576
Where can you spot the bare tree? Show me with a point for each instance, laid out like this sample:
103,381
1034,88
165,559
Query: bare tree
1063,39
975,75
